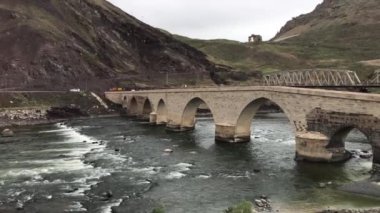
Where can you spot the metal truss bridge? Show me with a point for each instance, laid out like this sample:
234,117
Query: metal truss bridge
321,78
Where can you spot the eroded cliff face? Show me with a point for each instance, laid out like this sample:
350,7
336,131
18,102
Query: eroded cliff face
54,44
336,17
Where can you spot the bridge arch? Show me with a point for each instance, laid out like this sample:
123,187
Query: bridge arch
147,108
338,137
190,111
162,112
337,141
124,102
133,107
246,116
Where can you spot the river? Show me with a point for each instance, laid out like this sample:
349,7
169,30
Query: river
70,167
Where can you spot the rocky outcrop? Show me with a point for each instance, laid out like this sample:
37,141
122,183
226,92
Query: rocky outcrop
87,44
343,20
263,204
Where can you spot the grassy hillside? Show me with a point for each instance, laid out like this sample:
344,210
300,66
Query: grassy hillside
278,56
245,57
338,34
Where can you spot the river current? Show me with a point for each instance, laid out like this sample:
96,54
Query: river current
105,164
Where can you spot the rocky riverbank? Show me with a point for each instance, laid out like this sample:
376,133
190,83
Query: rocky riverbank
26,117
31,108
376,210
263,205
23,116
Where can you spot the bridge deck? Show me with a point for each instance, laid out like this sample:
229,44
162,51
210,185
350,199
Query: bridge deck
291,90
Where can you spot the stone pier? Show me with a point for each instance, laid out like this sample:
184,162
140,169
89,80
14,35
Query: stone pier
320,119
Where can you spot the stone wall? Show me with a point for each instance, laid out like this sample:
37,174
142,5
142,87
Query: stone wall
331,122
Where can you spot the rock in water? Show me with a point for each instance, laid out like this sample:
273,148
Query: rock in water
365,155
106,195
322,185
19,205
71,190
168,150
7,133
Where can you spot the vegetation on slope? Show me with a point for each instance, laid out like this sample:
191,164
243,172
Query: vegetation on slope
338,34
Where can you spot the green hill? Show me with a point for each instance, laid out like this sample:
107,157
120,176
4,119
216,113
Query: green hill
247,57
338,34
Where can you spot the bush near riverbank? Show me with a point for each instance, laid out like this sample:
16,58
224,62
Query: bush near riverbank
243,207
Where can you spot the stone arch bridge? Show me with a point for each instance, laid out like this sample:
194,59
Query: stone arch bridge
321,119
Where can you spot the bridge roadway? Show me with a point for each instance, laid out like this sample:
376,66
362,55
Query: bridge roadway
321,119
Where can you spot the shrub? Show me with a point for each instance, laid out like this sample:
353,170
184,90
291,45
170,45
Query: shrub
242,207
159,209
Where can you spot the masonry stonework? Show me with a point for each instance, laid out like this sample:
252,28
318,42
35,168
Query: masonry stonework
320,119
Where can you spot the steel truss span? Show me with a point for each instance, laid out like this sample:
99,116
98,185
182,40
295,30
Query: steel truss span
313,78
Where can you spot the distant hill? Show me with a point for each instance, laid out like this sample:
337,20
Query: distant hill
55,44
341,34
244,56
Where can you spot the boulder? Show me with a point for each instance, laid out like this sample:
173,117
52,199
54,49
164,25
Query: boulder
259,203
7,133
71,190
263,204
106,195
365,155
322,185
168,150
19,205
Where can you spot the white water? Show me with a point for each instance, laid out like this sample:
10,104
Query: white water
85,175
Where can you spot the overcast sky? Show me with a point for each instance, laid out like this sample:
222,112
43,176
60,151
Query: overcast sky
211,19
